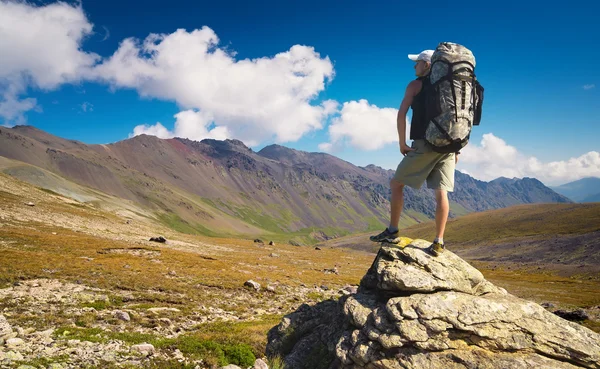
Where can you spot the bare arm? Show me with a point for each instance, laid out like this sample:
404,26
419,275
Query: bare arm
412,90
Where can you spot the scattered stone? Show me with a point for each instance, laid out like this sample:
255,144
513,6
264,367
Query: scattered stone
349,290
258,240
161,309
159,239
13,343
271,243
122,315
173,273
230,366
29,204
324,287
573,315
250,283
260,364
56,366
5,327
548,305
274,255
26,367
318,248
271,288
145,349
333,270
13,356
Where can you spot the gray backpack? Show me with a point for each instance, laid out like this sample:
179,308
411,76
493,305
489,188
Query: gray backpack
455,99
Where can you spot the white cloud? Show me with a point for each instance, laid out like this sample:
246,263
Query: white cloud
195,125
589,87
363,126
12,108
86,106
257,100
40,47
494,158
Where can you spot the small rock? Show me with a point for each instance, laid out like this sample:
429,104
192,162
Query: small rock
12,343
317,248
56,366
159,239
324,288
73,343
271,243
250,283
575,315
173,273
14,356
144,349
54,233
26,367
271,288
258,240
331,271
122,315
178,355
548,305
29,204
5,327
160,309
274,255
260,364
230,366
349,290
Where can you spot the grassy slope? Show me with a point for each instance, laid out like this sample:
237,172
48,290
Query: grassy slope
64,240
517,221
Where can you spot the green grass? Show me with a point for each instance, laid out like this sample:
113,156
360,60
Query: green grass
45,361
176,223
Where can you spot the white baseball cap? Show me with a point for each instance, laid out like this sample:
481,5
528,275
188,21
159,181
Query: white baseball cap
425,55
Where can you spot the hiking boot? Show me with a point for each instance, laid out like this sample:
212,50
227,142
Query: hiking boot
436,248
386,236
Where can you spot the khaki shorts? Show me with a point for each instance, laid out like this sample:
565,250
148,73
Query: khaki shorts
426,164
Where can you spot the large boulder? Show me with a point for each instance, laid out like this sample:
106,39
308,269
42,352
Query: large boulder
413,310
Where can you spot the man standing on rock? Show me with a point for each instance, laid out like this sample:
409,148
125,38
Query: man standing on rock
420,162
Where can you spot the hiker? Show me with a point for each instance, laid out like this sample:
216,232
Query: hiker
420,163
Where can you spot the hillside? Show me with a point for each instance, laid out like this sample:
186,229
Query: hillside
561,238
224,188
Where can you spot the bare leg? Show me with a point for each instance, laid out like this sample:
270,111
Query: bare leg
441,212
397,202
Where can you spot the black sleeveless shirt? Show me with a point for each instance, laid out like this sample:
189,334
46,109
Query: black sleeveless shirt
418,124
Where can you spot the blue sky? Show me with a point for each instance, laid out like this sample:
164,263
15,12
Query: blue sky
535,60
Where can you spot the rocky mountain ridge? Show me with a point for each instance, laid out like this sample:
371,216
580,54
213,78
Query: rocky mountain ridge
223,187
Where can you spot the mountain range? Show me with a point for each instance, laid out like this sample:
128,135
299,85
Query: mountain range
217,187
583,190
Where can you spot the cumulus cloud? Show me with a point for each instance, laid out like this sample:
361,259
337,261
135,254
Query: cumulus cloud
363,126
493,158
40,48
589,87
256,99
194,125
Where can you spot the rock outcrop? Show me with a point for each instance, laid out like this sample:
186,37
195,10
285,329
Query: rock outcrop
413,310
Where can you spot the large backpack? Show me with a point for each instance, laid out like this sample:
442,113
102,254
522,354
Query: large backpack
455,100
